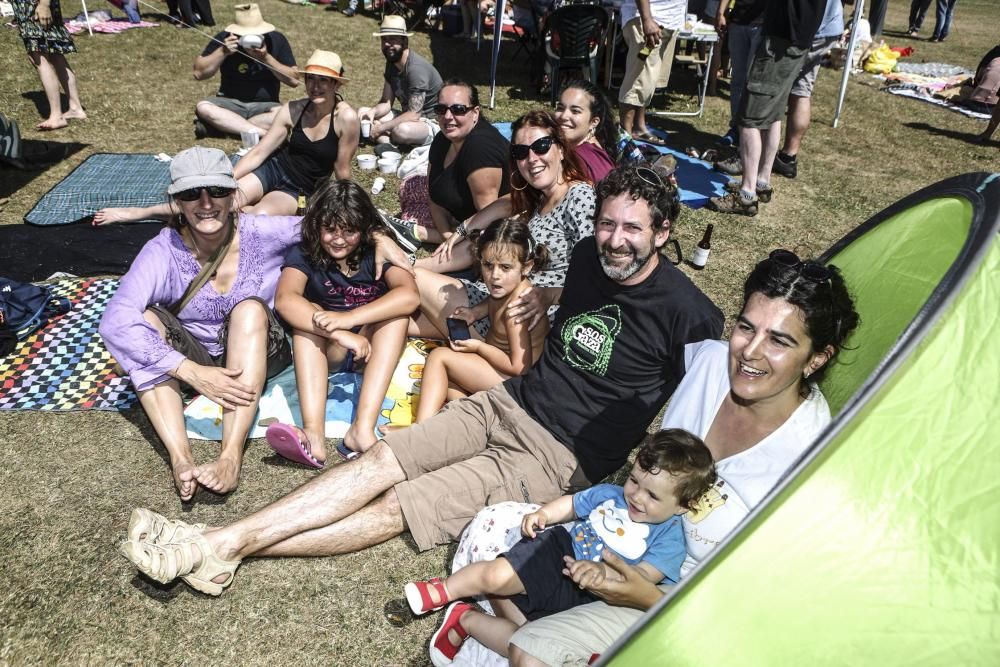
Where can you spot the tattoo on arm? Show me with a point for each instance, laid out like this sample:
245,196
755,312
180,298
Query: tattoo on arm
417,101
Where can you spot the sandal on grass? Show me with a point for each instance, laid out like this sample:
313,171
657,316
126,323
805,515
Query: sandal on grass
290,442
418,594
649,138
442,651
149,526
166,562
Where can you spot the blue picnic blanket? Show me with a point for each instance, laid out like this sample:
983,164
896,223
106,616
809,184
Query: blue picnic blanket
103,180
696,178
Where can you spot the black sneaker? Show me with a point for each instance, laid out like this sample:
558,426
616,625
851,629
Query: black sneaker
730,165
788,169
349,12
403,230
733,203
763,194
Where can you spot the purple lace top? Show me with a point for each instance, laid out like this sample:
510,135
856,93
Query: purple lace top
160,274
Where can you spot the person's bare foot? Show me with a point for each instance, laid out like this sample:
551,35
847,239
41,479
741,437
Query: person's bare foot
316,442
360,438
219,476
75,114
108,215
56,123
185,479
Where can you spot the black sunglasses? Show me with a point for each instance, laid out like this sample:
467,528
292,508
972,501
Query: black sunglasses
455,109
538,147
214,191
811,271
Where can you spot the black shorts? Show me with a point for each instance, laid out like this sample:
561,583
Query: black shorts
539,565
279,352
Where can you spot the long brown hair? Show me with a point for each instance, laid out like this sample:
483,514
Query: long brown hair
526,200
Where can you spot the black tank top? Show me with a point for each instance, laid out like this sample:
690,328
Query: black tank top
307,163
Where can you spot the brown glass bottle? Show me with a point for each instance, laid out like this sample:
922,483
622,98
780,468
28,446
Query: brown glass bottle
301,210
702,250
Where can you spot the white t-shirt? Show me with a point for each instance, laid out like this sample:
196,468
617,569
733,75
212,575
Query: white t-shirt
744,478
669,14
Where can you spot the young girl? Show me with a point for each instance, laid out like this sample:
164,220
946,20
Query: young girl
506,254
340,315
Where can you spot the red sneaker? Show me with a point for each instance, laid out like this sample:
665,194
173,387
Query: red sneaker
442,651
418,594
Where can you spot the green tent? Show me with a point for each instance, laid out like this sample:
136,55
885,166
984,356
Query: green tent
882,545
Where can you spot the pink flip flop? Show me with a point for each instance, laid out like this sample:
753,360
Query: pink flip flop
290,442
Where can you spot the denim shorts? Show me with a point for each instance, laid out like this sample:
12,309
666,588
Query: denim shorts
273,178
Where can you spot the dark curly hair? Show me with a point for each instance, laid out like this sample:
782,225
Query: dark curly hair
659,194
684,456
527,199
341,204
606,131
513,233
827,307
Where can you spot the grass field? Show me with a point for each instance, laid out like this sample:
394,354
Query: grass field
71,480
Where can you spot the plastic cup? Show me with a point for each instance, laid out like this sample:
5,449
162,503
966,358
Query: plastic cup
366,129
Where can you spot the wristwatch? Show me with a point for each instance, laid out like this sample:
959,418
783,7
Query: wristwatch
462,230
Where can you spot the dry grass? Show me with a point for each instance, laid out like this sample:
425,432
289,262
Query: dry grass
71,480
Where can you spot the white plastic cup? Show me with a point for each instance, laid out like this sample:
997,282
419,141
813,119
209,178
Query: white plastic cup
378,185
250,139
366,129
367,161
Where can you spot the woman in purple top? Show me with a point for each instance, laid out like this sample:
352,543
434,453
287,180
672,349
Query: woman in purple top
585,116
225,340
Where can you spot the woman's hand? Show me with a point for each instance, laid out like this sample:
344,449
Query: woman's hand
219,385
386,250
529,306
534,523
471,345
630,590
443,252
43,14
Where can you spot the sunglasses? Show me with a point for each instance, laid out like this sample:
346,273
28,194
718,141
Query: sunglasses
811,271
455,109
538,147
194,194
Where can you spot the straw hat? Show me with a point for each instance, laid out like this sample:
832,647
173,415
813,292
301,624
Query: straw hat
249,21
392,25
200,167
326,63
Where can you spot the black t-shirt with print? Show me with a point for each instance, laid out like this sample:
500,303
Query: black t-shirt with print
245,79
794,20
613,358
332,290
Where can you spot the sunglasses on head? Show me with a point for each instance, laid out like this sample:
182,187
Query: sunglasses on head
538,147
455,109
194,194
811,271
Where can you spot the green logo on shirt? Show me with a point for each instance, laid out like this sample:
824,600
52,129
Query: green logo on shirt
589,338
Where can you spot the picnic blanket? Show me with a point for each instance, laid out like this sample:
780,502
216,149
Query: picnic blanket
280,400
102,180
923,81
110,27
64,366
696,179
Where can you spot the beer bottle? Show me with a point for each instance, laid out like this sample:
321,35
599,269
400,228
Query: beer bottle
301,210
702,250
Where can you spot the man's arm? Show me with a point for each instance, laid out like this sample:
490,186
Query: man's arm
382,107
205,66
410,115
283,73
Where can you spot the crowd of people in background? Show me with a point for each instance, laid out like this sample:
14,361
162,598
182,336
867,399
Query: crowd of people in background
565,330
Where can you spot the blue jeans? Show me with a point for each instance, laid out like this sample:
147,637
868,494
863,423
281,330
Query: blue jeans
743,41
945,9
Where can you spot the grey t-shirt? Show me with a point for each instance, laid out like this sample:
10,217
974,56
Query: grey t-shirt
417,76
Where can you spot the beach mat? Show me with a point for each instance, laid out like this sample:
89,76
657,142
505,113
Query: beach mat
280,401
30,254
100,181
696,179
917,92
64,366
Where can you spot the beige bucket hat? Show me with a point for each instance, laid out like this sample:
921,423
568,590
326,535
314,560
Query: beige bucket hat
249,21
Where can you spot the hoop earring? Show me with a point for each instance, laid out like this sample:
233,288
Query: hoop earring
513,187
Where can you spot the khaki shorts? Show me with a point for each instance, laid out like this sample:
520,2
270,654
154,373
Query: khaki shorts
244,109
643,77
806,80
774,69
478,451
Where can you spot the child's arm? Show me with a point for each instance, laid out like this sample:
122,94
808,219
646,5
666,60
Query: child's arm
293,307
559,510
593,574
401,300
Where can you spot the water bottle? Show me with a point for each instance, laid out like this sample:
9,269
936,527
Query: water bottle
628,150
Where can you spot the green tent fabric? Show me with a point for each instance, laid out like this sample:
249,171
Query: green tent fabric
882,546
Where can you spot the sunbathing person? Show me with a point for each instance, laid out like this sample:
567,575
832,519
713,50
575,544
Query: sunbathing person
309,140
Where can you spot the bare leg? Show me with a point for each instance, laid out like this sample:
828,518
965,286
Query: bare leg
440,295
446,367
50,84
518,658
266,119
68,81
628,113
799,115
493,578
223,120
750,154
109,215
461,258
246,349
413,133
165,408
639,124
771,137
387,340
991,127
493,632
273,203
311,372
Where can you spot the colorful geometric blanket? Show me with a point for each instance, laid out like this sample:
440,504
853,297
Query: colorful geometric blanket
64,366
110,27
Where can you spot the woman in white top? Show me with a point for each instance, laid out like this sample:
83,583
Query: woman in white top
755,403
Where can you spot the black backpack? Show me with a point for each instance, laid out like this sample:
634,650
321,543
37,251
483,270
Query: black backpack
25,308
